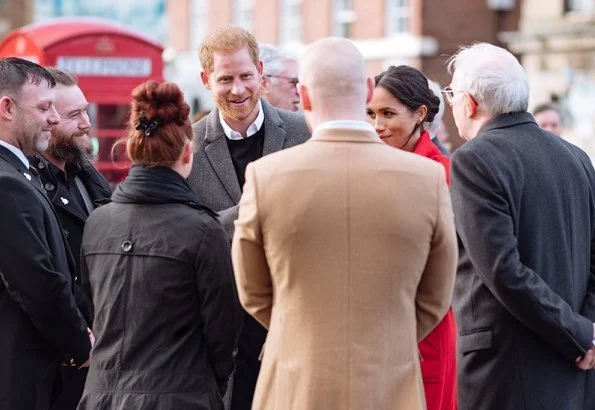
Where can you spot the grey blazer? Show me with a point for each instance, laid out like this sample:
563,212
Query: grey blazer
213,177
524,203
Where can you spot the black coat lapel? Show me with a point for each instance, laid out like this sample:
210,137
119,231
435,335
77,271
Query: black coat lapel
12,159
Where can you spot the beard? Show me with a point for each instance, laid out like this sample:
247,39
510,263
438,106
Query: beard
32,140
40,144
229,111
66,148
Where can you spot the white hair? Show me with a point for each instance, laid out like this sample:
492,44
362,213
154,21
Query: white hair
433,126
493,76
272,58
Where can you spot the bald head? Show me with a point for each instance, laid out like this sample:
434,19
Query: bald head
334,69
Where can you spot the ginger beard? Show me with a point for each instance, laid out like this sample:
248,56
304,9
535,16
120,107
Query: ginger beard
74,149
237,108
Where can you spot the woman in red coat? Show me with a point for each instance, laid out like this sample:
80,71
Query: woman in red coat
401,104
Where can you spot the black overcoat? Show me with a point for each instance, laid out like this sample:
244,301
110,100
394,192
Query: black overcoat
39,319
73,220
524,203
167,316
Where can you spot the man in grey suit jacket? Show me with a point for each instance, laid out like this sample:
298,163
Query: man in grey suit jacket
524,203
240,130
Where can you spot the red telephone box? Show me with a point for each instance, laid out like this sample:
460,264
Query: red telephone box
109,61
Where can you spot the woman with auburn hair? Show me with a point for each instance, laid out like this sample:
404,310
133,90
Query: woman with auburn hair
157,269
401,104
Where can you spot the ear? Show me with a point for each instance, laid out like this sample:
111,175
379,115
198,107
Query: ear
265,88
205,80
6,108
470,106
369,89
304,97
188,153
260,67
421,113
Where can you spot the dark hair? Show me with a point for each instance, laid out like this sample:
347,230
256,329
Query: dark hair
159,125
15,72
546,107
62,77
410,87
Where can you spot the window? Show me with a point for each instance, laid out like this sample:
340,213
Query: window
199,22
242,13
397,14
291,21
343,18
580,6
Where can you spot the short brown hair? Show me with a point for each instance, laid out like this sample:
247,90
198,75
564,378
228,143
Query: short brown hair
546,107
163,107
62,77
16,72
227,39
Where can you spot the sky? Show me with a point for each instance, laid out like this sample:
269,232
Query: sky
145,16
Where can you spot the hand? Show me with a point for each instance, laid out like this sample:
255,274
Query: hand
587,362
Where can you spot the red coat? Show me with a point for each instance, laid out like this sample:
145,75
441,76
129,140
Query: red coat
438,349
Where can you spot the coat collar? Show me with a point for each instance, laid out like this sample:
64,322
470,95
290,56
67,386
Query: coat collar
19,166
217,150
345,135
425,147
507,120
96,185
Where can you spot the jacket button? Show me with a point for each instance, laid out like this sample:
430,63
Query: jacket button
126,246
65,232
40,165
49,187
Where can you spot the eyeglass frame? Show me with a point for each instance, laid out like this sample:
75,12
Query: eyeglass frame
291,80
449,93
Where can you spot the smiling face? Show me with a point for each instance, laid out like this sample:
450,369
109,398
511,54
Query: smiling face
70,141
235,83
34,117
395,123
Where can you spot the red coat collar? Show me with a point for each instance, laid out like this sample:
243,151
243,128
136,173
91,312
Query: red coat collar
426,148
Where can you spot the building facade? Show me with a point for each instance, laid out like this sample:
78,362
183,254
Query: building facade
14,14
421,33
556,42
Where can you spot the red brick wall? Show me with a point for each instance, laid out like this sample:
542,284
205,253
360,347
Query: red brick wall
460,22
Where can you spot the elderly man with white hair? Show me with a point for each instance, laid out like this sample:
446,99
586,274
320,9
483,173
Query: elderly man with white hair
524,203
437,125
345,250
280,78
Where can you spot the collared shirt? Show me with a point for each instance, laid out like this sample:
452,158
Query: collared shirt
20,155
346,124
252,129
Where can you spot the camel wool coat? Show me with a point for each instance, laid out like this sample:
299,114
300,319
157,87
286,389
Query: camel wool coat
345,249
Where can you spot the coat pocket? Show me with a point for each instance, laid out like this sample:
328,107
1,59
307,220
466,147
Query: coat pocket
475,340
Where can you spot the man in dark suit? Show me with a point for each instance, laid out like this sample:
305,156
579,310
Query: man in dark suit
39,318
75,188
241,129
524,203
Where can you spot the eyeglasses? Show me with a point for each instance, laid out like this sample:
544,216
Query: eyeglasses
291,80
449,93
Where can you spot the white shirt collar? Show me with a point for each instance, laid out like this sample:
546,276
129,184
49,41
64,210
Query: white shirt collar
252,129
20,155
346,124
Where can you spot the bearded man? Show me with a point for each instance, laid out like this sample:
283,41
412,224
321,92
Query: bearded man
241,129
75,188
